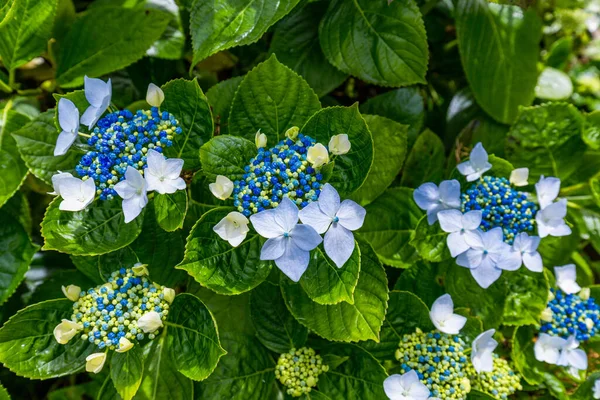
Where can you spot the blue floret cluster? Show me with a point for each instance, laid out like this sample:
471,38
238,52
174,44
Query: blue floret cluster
571,315
501,206
275,173
122,139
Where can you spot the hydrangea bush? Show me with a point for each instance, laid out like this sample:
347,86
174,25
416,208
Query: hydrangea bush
329,200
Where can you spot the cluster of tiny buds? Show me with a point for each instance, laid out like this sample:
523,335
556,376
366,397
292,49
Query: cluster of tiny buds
282,171
299,370
127,309
439,360
570,314
121,139
501,206
502,382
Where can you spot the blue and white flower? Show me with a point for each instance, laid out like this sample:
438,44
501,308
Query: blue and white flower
289,243
405,387
477,164
566,278
77,194
337,219
98,93
482,353
68,119
432,199
547,348
460,226
524,251
162,174
233,228
597,389
133,192
550,220
547,190
572,356
443,317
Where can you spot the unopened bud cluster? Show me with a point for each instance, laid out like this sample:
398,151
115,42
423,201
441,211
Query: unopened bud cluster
502,382
299,370
112,311
571,315
439,361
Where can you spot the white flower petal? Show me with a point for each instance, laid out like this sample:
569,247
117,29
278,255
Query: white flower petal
286,214
221,188
305,237
96,90
339,144
519,177
482,351
597,389
95,362
265,224
351,216
533,262
450,193
293,262
472,219
486,273
443,317
329,200
68,116
317,155
273,248
150,322
547,190
90,116
339,244
132,207
454,324
57,180
470,259
456,244
566,278
313,216
547,348
233,228
154,95
478,157
510,260
426,196
450,220
466,168
64,142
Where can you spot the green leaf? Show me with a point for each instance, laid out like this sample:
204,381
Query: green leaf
506,40
193,340
4,394
405,313
217,265
185,100
360,376
430,241
553,84
28,347
171,44
405,106
275,327
351,169
586,388
232,313
170,209
296,43
26,29
226,155
423,279
343,321
16,252
99,229
523,357
547,140
12,168
425,162
36,142
246,372
477,395
526,298
383,44
220,98
389,140
325,283
591,132
50,288
272,98
94,49
217,25
389,225
126,370
500,167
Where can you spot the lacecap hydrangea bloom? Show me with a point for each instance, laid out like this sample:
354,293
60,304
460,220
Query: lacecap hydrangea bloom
281,186
299,370
118,315
501,383
492,225
123,151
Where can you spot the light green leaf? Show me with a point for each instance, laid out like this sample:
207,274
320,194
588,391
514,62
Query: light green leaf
217,25
220,97
405,313
389,225
185,100
523,357
272,98
12,168
36,142
25,30
343,321
547,140
325,283
99,229
430,241
296,43
360,376
215,264
275,327
477,395
192,337
126,370
526,297
591,131
94,49
226,155
170,209
246,372
4,393
425,162
506,40
351,169
381,43
553,84
28,347
16,252
584,390
389,139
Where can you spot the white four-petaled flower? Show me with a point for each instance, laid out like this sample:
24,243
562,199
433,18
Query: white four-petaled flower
443,317
432,199
337,219
76,194
98,94
566,278
162,174
477,165
289,243
233,228
519,176
154,95
405,387
524,251
547,190
133,192
597,389
68,119
483,350
317,155
547,348
222,187
550,220
459,226
572,356
339,144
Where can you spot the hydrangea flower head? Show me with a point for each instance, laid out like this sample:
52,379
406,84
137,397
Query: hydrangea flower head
299,370
571,315
501,382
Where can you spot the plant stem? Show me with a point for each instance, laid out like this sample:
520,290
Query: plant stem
11,77
573,188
